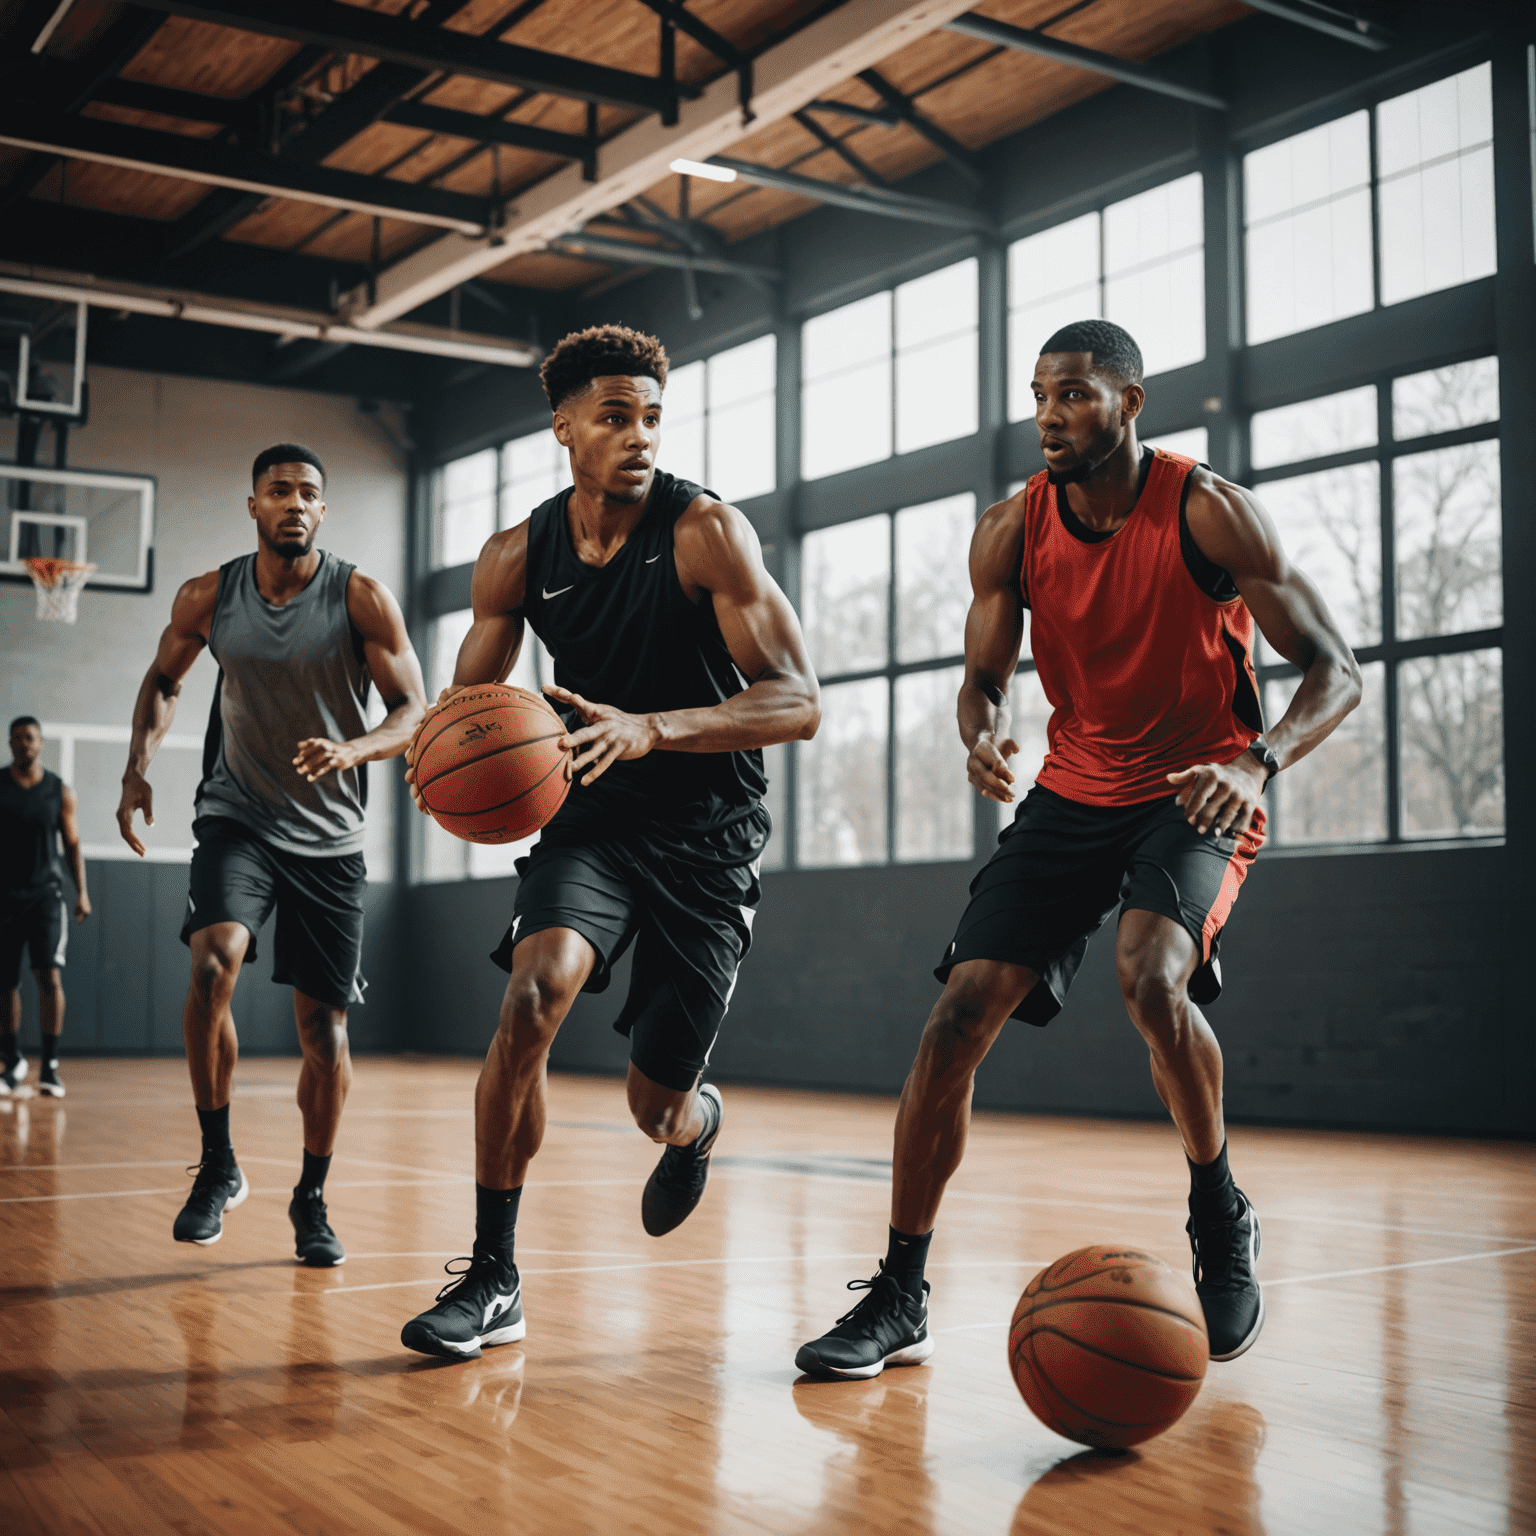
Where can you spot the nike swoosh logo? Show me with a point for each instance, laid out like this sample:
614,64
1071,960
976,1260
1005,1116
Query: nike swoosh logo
653,560
548,594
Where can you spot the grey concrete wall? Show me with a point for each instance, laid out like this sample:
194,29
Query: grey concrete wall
1363,989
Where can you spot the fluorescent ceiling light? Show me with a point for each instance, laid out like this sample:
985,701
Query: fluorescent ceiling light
699,168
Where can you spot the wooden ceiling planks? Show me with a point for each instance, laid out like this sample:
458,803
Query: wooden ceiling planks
977,93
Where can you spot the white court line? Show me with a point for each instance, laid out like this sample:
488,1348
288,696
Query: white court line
460,1179
175,1162
458,1253
595,1269
1381,1269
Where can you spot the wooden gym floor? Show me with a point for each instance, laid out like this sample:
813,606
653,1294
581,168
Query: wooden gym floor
147,1387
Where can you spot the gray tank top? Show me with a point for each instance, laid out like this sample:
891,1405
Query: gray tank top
285,674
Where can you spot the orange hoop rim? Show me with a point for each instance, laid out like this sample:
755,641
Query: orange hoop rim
50,572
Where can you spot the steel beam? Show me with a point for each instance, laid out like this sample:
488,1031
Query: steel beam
606,248
1330,22
187,105
881,200
951,148
490,130
350,29
816,59
881,117
1002,33
224,165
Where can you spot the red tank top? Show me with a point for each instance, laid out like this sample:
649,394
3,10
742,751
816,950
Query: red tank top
1143,646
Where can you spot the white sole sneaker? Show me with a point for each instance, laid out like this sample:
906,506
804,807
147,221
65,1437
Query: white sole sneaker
912,1354
238,1198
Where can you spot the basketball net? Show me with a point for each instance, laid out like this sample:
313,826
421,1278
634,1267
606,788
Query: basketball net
58,584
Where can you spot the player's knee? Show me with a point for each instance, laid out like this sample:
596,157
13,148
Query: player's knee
960,1030
1156,997
535,1004
323,1037
214,973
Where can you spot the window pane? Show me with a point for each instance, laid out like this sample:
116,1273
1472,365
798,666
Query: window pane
1154,277
1448,541
843,338
448,634
1453,745
1029,717
1338,793
533,469
1313,429
775,765
1435,149
1463,395
933,795
497,861
846,421
443,856
1330,524
742,373
466,515
1308,217
1194,443
684,395
940,304
1056,261
840,778
845,575
682,448
936,392
741,449
933,587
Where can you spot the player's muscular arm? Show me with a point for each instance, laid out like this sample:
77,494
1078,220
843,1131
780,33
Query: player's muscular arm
994,633
1232,529
719,561
69,830
491,647
396,673
155,708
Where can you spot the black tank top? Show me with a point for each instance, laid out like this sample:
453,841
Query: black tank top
30,820
625,634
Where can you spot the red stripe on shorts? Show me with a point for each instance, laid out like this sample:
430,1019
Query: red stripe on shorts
1247,849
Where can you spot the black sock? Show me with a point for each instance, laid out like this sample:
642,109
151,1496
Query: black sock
904,1258
1211,1188
215,1124
9,1048
51,1051
496,1219
312,1180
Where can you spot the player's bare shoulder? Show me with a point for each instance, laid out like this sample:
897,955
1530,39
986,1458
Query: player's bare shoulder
715,543
501,571
998,542
192,607
1225,520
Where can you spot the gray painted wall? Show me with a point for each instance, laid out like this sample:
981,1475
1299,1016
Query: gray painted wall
1363,989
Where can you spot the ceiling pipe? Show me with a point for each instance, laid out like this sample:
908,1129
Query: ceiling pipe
251,315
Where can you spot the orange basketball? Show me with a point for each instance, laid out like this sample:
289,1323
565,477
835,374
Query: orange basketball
1108,1346
487,764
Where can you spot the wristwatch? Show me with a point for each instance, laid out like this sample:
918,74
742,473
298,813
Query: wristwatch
1262,750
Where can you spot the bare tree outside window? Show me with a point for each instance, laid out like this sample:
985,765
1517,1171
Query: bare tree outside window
1453,745
1338,793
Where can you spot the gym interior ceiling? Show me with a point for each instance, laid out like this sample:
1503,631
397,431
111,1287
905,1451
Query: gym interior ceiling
463,163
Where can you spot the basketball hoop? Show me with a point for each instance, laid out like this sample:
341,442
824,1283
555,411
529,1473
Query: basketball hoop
58,584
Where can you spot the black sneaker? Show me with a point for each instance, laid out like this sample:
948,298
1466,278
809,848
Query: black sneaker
220,1186
676,1185
314,1242
480,1305
11,1078
886,1328
1225,1253
49,1083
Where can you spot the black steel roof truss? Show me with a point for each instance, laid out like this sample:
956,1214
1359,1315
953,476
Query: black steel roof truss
952,150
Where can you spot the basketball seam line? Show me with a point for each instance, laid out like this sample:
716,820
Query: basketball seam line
1112,1301
486,811
509,696
1104,1354
485,757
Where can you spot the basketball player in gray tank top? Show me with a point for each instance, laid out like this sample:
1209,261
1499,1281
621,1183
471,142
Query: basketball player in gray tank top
299,637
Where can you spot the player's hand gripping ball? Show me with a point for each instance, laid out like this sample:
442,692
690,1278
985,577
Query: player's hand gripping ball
1108,1346
486,765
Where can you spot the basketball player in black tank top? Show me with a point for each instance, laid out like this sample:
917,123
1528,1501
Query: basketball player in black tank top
652,598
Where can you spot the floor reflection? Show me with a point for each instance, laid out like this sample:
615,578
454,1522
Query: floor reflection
885,1424
1206,1464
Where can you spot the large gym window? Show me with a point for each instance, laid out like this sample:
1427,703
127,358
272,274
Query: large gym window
1388,497
1139,262
883,601
891,373
533,468
464,499
717,424
1313,236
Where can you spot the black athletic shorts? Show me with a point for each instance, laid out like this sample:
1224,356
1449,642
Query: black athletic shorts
1061,868
684,898
38,924
238,878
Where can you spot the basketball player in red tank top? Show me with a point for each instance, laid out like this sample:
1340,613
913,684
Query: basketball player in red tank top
1144,574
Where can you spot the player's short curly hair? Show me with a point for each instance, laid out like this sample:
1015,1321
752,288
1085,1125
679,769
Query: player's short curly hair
597,352
1112,348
